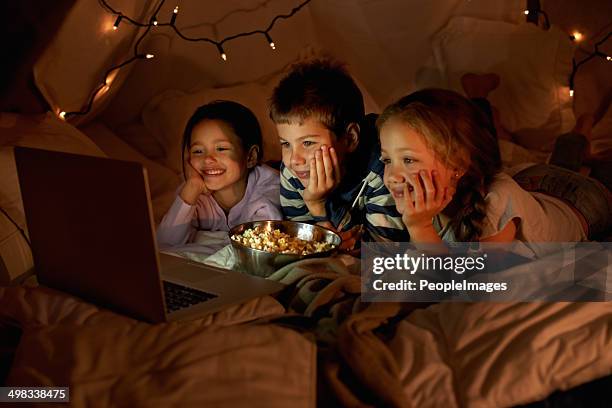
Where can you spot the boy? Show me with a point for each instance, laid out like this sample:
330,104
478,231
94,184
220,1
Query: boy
331,172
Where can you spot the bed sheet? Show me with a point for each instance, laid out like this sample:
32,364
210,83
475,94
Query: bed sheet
480,354
107,359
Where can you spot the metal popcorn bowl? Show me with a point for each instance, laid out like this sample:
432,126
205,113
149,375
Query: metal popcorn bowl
264,263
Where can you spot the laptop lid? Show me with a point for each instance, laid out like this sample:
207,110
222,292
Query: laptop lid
91,227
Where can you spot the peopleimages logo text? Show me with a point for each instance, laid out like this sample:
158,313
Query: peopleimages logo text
412,264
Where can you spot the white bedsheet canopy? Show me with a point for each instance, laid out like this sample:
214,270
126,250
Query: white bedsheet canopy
386,44
383,41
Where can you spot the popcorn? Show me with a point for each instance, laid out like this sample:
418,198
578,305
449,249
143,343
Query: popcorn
277,241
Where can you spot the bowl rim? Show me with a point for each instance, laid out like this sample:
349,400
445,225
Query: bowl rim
231,232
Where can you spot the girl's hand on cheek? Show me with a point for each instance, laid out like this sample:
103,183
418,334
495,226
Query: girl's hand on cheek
194,186
429,198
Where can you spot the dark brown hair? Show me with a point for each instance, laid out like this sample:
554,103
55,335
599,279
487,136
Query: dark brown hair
238,117
320,89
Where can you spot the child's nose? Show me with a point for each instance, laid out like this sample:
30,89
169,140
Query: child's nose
395,176
297,158
209,158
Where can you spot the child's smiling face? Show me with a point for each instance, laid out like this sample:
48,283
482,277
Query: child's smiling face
299,142
404,153
217,154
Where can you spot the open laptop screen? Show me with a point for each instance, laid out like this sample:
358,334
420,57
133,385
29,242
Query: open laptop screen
91,228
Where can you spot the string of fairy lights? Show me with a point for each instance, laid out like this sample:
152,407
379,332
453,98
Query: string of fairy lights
533,9
533,13
596,53
154,23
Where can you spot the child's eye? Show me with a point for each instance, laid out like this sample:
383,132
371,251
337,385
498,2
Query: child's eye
408,160
308,143
385,161
196,151
284,145
221,149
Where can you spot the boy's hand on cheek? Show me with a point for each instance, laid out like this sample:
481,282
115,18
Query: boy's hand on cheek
427,201
324,177
194,186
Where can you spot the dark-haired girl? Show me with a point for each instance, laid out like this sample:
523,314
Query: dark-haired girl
225,184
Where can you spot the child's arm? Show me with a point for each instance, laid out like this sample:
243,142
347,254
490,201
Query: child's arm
292,203
194,186
176,226
429,201
382,219
309,204
507,234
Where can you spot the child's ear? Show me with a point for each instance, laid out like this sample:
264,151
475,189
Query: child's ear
252,157
351,137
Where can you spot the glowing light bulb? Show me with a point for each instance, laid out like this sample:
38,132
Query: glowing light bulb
62,115
577,36
149,56
117,22
609,58
526,12
155,20
571,92
222,52
174,14
272,45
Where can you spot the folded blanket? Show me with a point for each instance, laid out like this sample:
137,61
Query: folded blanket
169,365
109,360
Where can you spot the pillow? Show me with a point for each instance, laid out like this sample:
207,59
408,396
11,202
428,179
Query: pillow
162,181
534,66
167,114
40,131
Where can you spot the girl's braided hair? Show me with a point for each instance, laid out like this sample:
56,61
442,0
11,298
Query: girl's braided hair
460,135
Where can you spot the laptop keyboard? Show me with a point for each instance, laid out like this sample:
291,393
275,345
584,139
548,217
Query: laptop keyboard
179,296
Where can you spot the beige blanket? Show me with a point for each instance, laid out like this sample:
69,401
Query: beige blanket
110,360
450,354
474,354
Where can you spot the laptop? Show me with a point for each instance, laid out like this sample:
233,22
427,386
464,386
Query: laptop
92,235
